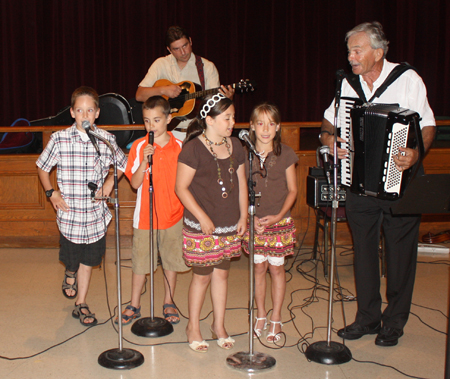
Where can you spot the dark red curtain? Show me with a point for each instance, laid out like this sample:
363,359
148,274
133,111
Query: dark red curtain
292,49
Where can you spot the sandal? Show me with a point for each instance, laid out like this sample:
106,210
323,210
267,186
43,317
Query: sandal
67,286
126,319
275,336
168,315
78,313
258,332
224,343
199,347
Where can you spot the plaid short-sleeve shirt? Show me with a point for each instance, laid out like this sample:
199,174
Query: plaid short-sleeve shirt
78,164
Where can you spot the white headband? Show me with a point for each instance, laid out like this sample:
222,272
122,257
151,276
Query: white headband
210,103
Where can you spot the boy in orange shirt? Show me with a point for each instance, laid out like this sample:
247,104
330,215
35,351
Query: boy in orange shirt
167,208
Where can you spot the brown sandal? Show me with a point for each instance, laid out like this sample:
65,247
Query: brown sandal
77,313
67,286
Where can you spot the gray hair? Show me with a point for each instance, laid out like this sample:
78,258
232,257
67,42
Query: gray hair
374,31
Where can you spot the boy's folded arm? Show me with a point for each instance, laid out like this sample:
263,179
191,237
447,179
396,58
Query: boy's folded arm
138,176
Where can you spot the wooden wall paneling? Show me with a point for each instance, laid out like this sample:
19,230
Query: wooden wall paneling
27,218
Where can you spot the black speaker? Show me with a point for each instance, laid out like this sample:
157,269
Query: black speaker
319,192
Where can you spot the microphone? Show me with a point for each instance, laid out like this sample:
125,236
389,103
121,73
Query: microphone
325,151
93,188
150,141
87,126
340,74
243,135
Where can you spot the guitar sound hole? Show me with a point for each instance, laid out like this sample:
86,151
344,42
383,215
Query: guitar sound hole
178,102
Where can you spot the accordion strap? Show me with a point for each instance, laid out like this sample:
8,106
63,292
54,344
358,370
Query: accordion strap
398,70
353,80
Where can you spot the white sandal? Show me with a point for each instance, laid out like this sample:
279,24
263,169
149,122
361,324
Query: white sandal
199,347
275,336
258,332
224,343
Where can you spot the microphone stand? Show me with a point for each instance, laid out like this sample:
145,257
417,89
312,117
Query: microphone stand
151,326
118,359
251,361
329,352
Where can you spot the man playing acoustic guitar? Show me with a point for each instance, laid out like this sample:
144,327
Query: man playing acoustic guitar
180,65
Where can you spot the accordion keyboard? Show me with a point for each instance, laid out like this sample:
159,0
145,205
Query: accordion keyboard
345,132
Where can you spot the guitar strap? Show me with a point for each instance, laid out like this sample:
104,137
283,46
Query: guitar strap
398,70
201,75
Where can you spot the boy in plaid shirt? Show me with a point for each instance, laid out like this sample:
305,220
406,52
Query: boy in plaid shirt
81,222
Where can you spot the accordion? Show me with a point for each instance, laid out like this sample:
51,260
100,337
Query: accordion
377,131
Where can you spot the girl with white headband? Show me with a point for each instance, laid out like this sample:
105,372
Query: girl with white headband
212,186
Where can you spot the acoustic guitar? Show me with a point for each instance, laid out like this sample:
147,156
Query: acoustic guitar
183,105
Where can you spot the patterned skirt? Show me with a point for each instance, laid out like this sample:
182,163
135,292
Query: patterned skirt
209,250
278,239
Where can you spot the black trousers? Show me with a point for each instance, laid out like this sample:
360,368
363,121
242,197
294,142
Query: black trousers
365,216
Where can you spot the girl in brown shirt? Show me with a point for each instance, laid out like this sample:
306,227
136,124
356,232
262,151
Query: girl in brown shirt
274,226
211,185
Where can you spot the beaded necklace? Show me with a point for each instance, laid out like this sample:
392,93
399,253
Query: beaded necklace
219,171
264,169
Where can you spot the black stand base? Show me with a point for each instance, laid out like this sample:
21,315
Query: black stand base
333,354
255,362
124,359
153,328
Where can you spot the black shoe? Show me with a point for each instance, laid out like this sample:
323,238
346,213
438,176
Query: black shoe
388,336
355,330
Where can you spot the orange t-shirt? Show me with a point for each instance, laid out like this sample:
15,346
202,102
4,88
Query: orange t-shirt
167,208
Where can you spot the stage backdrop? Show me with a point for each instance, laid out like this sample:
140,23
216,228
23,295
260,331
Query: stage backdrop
291,49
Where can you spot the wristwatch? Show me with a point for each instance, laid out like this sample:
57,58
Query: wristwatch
49,193
322,132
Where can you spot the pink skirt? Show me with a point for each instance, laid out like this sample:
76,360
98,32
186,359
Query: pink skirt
278,240
209,250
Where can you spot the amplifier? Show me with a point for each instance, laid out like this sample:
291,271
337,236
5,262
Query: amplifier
318,192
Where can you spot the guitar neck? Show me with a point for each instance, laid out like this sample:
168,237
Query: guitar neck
183,104
198,94
242,87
